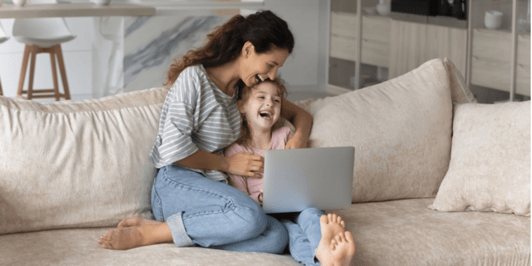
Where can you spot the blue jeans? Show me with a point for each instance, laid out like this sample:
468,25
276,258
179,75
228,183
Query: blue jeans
208,213
305,235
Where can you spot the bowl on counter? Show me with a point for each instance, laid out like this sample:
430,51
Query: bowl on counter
493,19
101,2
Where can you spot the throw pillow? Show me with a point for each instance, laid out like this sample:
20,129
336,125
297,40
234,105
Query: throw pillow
401,131
490,160
76,164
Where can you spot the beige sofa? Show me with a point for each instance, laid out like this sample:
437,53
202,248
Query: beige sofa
439,179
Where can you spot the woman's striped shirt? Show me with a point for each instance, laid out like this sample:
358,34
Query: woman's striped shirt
195,115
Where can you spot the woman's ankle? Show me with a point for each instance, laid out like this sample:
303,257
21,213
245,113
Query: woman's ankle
155,234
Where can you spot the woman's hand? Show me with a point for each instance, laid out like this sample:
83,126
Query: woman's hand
297,142
246,164
302,122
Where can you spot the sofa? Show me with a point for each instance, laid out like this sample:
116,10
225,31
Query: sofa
438,180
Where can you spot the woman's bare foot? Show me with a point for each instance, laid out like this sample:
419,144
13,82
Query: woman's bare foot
122,238
131,237
331,225
342,249
136,221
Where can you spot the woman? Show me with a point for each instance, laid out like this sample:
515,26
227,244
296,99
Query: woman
191,200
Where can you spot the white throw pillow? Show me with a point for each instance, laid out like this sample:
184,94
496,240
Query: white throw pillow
401,131
490,160
76,164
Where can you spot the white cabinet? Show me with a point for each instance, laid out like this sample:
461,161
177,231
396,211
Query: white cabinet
412,44
492,60
375,38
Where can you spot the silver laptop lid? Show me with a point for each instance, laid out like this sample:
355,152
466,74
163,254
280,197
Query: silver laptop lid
316,177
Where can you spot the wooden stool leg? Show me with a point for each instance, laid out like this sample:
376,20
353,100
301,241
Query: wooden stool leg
62,70
22,77
32,72
54,75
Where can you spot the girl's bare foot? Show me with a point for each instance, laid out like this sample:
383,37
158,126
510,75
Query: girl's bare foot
131,237
342,249
331,225
136,221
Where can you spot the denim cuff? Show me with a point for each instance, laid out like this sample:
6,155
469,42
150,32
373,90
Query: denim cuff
179,235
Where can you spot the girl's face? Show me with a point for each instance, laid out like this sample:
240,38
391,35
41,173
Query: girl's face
262,106
259,67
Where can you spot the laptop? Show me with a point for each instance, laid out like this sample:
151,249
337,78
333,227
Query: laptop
314,177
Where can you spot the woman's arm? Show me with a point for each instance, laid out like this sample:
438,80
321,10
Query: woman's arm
302,122
243,164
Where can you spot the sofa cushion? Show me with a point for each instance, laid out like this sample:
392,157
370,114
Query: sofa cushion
460,92
80,247
406,232
490,160
403,232
76,164
401,131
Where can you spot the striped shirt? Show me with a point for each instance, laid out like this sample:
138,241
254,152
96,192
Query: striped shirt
195,115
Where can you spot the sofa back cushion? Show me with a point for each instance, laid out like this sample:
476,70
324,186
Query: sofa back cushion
76,164
460,92
401,131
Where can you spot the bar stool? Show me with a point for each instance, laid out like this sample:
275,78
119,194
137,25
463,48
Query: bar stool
3,38
42,35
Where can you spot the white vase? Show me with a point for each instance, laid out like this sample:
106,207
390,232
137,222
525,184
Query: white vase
19,3
384,9
102,2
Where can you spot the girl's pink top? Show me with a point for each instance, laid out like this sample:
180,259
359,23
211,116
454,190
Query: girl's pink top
249,185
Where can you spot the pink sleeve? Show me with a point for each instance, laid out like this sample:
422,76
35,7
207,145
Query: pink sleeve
236,181
288,134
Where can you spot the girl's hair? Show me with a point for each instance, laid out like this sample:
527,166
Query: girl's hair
264,30
243,96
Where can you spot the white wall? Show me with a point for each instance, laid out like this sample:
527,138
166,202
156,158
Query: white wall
305,69
77,55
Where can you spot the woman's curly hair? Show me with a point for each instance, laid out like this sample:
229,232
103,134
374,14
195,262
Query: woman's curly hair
263,29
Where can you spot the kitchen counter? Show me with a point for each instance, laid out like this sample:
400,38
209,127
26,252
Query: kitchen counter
122,8
75,10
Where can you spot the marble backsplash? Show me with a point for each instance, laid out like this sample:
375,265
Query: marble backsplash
152,43
134,53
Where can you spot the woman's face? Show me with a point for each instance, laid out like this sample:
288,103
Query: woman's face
257,67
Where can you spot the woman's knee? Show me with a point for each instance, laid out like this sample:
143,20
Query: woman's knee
254,220
277,235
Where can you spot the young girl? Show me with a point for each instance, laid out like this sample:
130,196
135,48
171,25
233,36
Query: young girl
314,237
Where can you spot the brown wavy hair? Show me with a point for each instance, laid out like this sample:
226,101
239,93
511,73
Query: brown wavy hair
264,30
245,133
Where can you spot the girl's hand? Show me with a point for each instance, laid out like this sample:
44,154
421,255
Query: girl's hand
246,164
296,142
